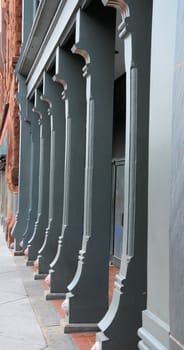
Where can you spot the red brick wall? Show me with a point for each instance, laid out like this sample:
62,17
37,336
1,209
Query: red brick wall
11,14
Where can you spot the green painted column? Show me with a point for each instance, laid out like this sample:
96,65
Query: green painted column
25,139
52,96
63,267
118,328
88,291
34,175
24,167
37,239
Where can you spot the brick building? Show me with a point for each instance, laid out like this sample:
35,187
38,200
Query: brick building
10,41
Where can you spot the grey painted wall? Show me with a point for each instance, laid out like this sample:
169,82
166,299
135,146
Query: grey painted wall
159,156
156,319
177,190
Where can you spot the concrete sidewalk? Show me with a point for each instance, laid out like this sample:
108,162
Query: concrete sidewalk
27,320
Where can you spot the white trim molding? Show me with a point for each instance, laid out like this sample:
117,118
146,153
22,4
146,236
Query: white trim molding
154,333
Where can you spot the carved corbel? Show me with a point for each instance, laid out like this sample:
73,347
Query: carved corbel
36,106
45,95
76,49
21,96
123,8
57,78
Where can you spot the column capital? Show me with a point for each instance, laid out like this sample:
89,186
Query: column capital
21,96
123,8
40,106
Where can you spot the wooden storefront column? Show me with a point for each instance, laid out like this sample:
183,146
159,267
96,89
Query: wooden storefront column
88,291
118,328
63,267
24,170
52,96
34,174
37,239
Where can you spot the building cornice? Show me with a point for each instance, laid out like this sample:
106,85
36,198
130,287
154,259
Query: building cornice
56,34
41,23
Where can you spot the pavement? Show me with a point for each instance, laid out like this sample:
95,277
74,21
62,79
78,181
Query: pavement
27,320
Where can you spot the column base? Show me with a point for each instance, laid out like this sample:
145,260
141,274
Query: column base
18,253
39,276
54,296
30,262
81,328
154,334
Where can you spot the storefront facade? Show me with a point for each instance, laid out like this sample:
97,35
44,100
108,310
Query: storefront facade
89,157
